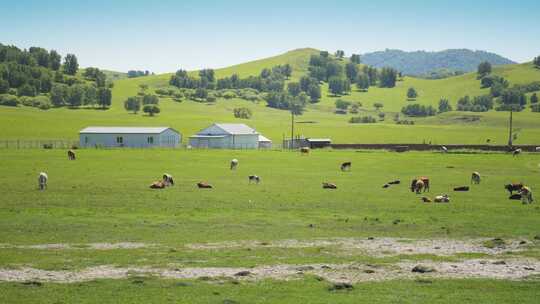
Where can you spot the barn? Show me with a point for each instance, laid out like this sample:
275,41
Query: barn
134,137
228,136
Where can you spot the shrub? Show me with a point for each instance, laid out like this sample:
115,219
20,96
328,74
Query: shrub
363,119
382,115
535,107
211,98
151,109
405,122
342,104
229,95
244,113
162,92
417,110
41,102
26,90
444,105
9,100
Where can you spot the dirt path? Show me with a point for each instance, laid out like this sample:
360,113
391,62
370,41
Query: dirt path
351,273
382,246
95,246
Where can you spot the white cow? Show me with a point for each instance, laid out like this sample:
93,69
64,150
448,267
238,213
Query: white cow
475,178
42,180
442,199
526,195
444,149
234,164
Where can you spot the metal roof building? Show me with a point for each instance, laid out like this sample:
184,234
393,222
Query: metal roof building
135,137
228,136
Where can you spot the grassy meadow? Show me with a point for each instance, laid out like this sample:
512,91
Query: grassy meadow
319,120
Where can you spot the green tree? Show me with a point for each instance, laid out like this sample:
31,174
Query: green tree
55,60
294,88
411,93
4,86
338,85
59,94
151,109
26,90
287,70
387,78
351,71
104,97
534,98
444,105
150,99
133,104
362,82
314,92
355,58
536,62
333,69
201,93
90,96
484,69
76,95
378,106
340,54
71,64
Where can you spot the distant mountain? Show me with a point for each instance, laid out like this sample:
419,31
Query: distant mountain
431,64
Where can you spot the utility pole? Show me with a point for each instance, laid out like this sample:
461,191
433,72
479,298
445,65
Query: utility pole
510,129
292,130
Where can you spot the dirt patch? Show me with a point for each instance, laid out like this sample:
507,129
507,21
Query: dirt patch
379,246
351,273
94,246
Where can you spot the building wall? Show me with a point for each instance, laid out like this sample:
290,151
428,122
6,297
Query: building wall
167,138
250,141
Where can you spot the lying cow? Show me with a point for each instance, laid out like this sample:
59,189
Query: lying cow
254,178
326,185
203,185
420,185
168,179
158,185
442,199
426,199
234,164
475,178
346,166
526,195
42,180
304,150
513,187
71,154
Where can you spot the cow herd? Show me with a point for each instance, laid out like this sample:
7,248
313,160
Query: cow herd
418,185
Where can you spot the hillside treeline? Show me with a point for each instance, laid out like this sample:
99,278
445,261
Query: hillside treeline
40,78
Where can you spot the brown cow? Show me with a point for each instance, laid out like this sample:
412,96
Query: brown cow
203,185
326,185
158,185
513,187
420,184
71,154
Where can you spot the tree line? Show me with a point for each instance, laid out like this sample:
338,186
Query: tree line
37,77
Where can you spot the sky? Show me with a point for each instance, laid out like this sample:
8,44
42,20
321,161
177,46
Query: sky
163,36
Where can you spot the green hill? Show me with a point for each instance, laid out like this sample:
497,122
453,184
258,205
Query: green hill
319,120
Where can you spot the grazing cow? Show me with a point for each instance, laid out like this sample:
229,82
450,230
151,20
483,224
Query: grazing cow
158,185
444,149
422,183
346,166
442,199
71,155
426,199
386,186
254,178
537,149
326,185
526,195
203,185
475,178
234,164
513,187
42,180
168,179
461,188
516,152
304,150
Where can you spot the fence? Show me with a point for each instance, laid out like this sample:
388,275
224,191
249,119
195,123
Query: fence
427,147
38,144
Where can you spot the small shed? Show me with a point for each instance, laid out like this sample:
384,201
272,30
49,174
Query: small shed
314,143
227,136
264,143
134,137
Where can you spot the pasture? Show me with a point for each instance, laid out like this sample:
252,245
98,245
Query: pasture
103,198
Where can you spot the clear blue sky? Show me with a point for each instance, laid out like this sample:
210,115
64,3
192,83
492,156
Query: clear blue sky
190,34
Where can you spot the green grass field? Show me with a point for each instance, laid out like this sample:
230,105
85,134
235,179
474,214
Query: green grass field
104,197
189,117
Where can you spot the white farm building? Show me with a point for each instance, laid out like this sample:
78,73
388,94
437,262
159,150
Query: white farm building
134,137
229,136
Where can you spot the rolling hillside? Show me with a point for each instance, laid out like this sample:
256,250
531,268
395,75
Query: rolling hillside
319,120
422,63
